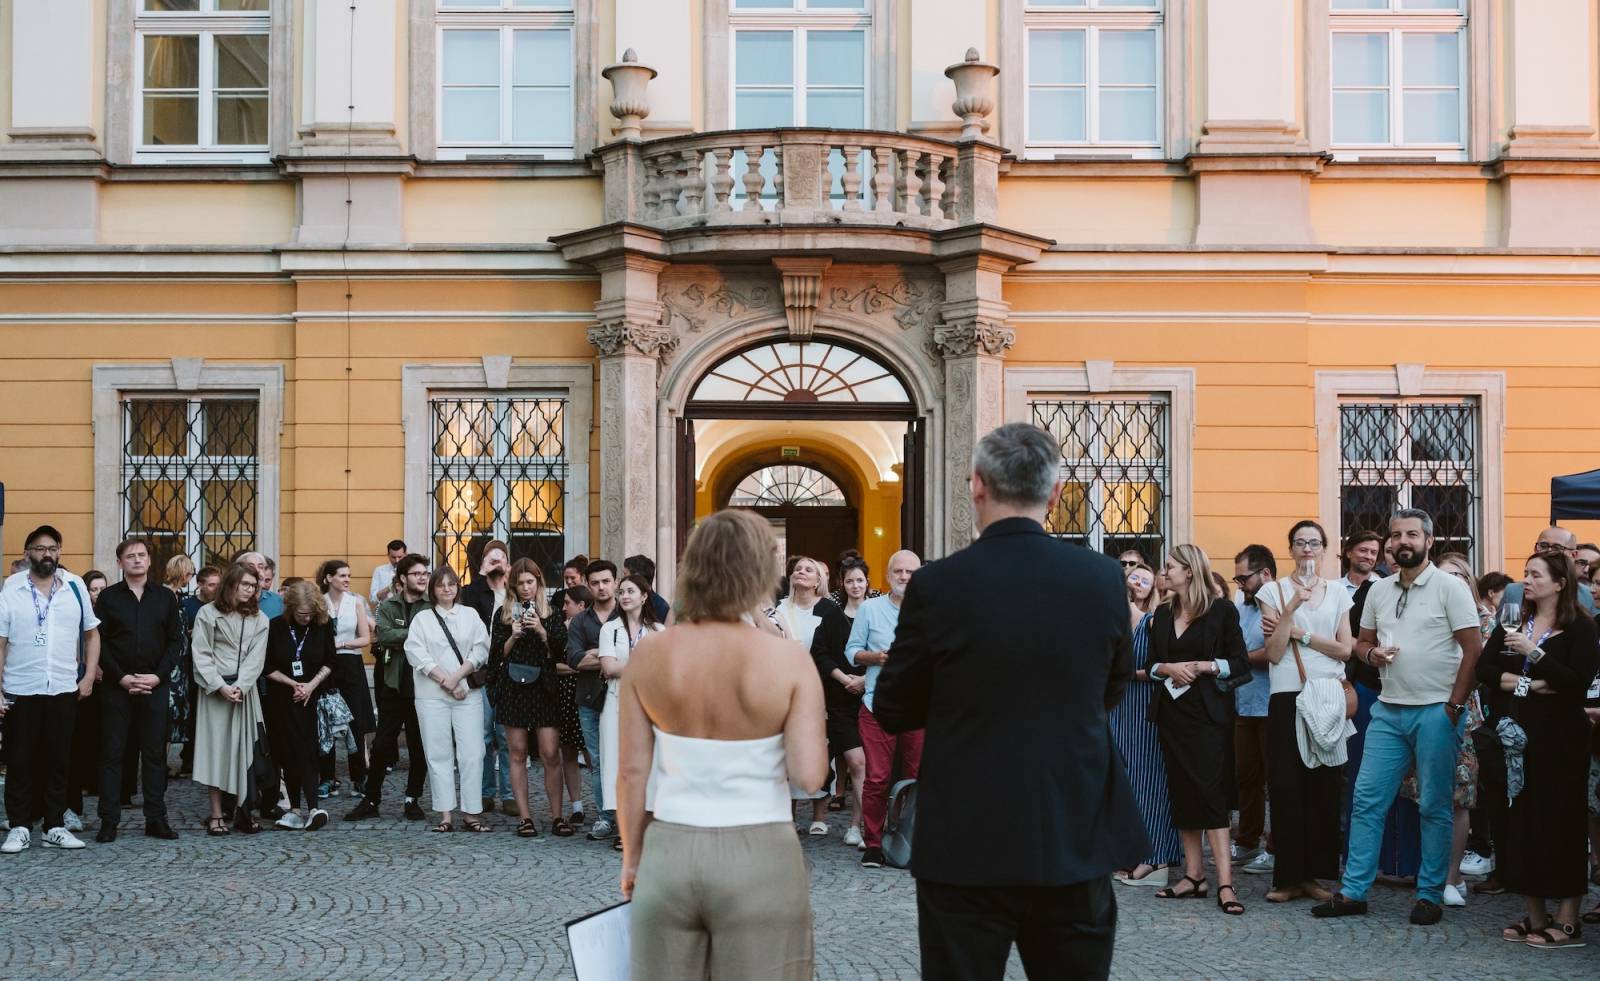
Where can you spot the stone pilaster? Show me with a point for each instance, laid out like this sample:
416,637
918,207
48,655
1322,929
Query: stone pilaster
974,387
630,358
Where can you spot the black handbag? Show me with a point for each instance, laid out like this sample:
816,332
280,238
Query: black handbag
594,700
523,674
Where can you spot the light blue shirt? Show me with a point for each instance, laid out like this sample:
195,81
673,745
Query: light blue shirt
270,604
1250,700
876,620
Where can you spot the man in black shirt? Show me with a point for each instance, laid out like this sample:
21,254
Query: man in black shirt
583,655
140,641
397,708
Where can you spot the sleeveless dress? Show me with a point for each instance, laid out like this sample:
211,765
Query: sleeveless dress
349,671
722,890
1137,743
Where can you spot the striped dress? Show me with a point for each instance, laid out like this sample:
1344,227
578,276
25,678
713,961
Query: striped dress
1135,738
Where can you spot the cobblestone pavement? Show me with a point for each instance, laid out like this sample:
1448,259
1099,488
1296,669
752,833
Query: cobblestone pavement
382,898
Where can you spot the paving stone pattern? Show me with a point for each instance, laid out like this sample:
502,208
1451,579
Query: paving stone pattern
384,898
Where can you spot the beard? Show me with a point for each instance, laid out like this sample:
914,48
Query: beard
43,567
1407,557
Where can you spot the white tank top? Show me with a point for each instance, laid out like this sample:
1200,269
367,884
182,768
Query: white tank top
719,783
345,621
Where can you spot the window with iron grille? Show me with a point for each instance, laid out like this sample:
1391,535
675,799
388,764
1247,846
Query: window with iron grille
1114,469
499,471
1411,454
189,472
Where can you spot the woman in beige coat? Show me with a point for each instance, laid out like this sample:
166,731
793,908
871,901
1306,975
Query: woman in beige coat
230,650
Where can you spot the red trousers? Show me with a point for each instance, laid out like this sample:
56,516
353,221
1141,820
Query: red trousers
881,749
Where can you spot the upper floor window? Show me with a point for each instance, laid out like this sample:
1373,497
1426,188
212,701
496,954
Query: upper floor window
799,63
1094,77
506,77
1399,69
203,71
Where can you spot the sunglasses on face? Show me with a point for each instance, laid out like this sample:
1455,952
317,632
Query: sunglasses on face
1129,563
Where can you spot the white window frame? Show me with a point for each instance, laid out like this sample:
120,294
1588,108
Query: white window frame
184,378
1415,381
499,15
1104,378
1396,23
1092,19
800,20
206,24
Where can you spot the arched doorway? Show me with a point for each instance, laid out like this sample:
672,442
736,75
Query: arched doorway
820,435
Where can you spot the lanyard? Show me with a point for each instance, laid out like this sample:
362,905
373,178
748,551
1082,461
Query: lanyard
40,616
1527,662
299,642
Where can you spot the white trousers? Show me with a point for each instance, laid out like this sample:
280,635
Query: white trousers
452,740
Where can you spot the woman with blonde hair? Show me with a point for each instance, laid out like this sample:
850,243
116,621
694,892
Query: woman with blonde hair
179,574
230,649
299,665
719,717
523,688
1138,743
1196,645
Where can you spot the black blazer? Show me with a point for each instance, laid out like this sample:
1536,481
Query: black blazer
1009,653
827,650
1221,640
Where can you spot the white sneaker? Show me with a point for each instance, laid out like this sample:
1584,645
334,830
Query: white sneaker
17,841
290,822
61,838
71,821
1474,864
853,837
1454,896
319,818
1261,864
819,829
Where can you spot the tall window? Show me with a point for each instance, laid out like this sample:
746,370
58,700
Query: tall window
499,470
1115,471
799,63
1094,77
1402,453
1399,69
506,78
203,80
189,471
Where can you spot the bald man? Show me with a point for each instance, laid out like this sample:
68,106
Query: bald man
1552,539
869,643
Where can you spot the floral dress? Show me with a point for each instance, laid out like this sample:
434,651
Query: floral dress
555,627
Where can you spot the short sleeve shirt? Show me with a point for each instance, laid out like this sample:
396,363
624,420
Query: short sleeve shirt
1322,620
51,668
1423,626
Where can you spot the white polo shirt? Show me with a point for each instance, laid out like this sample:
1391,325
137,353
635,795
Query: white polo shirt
1436,606
51,669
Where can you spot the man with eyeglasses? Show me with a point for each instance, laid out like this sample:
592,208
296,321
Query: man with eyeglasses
1252,568
1587,559
1420,629
45,616
1555,539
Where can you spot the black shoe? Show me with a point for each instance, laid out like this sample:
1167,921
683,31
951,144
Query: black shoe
1426,913
1339,906
107,834
414,811
160,829
872,858
273,813
362,811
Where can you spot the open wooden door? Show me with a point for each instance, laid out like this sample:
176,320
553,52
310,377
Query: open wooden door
913,502
683,460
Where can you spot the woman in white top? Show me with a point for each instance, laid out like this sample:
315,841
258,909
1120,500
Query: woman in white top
352,633
723,716
1307,621
802,611
445,645
635,618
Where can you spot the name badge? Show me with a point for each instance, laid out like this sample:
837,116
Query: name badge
41,638
298,668
1594,688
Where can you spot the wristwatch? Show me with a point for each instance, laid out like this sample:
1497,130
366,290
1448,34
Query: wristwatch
1536,655
1305,639
1459,707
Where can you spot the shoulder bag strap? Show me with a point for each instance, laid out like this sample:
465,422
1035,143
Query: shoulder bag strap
447,636
1294,645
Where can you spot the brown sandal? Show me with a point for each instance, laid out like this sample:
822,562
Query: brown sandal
1557,935
1517,932
561,829
1199,890
476,827
443,827
217,827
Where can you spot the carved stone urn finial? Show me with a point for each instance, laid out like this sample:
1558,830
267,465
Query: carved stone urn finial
629,103
974,93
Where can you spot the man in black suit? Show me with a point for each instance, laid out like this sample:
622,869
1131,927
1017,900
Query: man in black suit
1009,652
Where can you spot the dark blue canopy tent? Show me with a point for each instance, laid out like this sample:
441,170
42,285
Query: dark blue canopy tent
1575,496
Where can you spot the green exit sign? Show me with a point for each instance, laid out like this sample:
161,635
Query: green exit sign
791,452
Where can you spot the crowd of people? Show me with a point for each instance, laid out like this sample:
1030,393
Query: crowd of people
1408,718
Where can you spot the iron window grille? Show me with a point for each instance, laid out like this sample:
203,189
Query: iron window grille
499,471
787,485
189,476
1411,454
1114,469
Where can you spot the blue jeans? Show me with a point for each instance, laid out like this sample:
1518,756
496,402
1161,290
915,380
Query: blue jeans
1398,737
589,722
495,749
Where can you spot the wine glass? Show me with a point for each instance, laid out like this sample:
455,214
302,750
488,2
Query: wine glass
1305,572
1511,616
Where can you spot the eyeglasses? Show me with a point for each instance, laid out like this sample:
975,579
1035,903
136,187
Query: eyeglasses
1542,547
1307,543
45,549
1241,580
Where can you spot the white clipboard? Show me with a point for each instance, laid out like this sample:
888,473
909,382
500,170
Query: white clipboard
600,944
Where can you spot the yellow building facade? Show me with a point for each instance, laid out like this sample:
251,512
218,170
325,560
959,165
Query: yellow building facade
308,275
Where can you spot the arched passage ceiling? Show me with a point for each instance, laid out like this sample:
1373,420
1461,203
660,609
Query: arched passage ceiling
874,447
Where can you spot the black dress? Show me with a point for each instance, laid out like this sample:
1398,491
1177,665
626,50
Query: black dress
555,627
522,706
292,727
1196,728
1544,849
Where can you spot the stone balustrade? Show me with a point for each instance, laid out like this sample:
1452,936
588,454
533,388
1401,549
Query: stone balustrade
801,176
